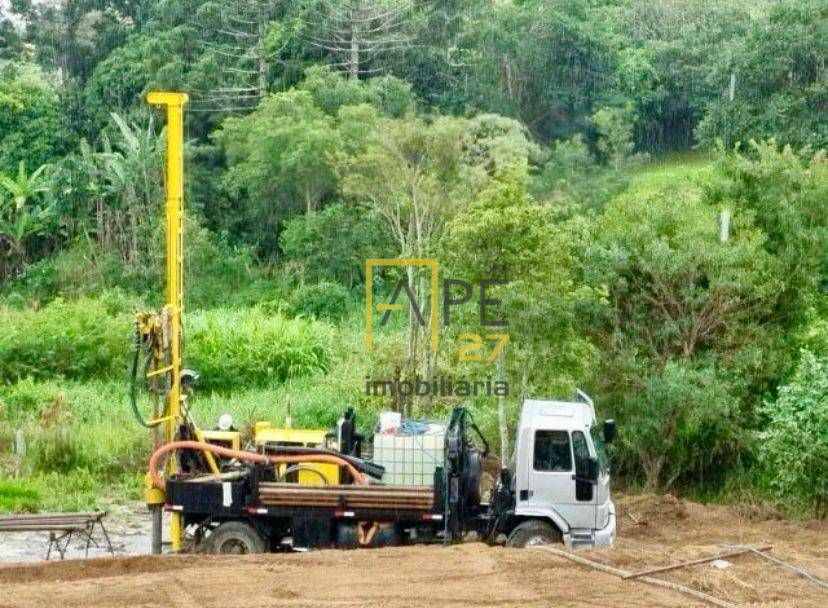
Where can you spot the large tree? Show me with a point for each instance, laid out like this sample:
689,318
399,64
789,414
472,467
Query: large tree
505,235
357,33
774,82
687,309
32,127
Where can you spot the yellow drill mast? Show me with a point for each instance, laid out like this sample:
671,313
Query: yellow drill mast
174,104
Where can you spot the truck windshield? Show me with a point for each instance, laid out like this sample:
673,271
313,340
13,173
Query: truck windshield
600,448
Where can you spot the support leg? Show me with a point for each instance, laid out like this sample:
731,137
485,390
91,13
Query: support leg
106,536
176,532
157,515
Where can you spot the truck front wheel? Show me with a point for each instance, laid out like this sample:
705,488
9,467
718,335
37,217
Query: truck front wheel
533,532
235,538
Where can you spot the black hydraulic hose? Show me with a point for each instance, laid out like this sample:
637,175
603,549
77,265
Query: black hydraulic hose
133,384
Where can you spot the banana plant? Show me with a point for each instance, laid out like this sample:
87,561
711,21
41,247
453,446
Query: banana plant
21,218
23,187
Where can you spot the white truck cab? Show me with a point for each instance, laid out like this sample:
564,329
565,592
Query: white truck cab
560,472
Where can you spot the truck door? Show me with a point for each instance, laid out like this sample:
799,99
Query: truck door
585,488
556,457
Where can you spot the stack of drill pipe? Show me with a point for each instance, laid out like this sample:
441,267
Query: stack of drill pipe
408,498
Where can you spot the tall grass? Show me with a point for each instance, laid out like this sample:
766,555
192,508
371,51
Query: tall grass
233,349
89,339
27,401
78,440
82,339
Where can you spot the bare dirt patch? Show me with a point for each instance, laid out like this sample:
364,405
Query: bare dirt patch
473,574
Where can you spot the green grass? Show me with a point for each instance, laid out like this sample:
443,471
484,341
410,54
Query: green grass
680,171
245,348
24,402
18,495
82,339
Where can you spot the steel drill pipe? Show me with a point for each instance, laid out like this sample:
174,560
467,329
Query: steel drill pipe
159,482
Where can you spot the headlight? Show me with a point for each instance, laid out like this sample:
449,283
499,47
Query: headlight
225,422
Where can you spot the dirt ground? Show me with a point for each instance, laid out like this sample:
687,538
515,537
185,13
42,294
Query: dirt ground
652,531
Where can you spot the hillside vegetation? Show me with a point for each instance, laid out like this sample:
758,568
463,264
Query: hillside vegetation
650,177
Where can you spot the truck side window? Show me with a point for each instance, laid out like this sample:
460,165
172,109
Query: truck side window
581,449
552,451
583,488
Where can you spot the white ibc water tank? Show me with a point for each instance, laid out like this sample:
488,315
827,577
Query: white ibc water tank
409,460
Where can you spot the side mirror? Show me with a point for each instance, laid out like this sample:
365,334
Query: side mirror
609,430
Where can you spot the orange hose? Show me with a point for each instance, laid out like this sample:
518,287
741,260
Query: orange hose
158,480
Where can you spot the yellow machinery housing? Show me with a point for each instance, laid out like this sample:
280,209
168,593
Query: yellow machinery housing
264,434
227,439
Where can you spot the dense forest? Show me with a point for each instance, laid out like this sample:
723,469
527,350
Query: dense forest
649,175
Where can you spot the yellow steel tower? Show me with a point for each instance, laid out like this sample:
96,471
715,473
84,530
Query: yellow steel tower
174,104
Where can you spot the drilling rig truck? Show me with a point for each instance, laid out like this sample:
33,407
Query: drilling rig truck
309,489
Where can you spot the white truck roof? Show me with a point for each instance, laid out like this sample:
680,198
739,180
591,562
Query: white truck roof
538,413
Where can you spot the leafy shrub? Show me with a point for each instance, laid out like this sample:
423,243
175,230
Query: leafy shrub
614,127
246,348
572,174
334,243
390,95
784,192
681,428
794,445
81,339
82,269
324,300
331,91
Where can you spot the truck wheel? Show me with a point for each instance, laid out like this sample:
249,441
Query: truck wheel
235,538
533,532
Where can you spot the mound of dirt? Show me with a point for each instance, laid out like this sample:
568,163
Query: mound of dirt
653,508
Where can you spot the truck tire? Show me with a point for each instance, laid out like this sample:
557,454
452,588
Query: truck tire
235,538
533,532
